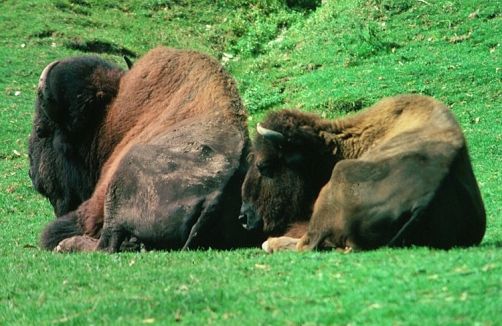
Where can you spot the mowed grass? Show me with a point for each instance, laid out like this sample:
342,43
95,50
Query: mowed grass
334,60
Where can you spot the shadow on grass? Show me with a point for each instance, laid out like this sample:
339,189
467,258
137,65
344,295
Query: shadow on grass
491,244
96,46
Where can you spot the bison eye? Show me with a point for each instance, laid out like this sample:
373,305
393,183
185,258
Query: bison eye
266,169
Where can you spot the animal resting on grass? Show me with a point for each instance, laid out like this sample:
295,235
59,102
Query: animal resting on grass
397,174
156,153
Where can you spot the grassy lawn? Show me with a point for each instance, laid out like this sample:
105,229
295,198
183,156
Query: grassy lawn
331,58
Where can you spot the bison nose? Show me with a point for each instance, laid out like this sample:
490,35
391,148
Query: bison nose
249,218
243,219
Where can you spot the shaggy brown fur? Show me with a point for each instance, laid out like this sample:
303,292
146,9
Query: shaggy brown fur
399,174
171,102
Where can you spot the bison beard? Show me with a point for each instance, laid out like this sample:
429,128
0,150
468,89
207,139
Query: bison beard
156,153
398,174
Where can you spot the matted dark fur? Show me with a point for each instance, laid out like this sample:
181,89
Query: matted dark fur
156,153
397,174
65,162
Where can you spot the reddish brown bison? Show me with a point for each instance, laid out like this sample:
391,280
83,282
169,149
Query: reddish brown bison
397,174
156,153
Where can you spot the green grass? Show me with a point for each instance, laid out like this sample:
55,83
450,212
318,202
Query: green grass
390,286
336,59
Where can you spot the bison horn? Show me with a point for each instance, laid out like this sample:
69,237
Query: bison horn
270,134
128,62
44,91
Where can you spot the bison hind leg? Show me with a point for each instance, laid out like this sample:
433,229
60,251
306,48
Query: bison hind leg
61,228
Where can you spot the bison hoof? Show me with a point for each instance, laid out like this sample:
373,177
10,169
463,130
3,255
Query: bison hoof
281,243
77,243
131,245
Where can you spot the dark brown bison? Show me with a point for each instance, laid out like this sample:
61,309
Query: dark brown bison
397,174
156,153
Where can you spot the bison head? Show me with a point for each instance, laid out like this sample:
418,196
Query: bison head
289,164
73,95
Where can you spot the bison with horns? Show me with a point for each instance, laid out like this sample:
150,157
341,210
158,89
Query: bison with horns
156,153
397,174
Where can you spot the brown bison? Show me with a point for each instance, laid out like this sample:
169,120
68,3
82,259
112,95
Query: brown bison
156,153
397,174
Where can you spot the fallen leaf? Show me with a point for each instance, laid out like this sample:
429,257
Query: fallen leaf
374,306
12,188
262,266
488,267
28,246
461,269
474,14
177,317
148,321
458,39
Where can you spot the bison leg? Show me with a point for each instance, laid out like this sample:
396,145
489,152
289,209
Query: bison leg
289,240
77,243
117,241
302,244
280,243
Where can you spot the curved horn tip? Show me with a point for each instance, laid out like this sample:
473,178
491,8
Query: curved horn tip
44,91
45,72
128,62
270,134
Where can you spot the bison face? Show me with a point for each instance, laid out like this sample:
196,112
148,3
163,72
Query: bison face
289,164
273,196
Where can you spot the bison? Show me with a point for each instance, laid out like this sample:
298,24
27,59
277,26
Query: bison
398,174
156,153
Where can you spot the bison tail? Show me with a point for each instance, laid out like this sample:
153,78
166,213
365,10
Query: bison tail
61,228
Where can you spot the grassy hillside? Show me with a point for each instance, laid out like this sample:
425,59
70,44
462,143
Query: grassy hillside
330,57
